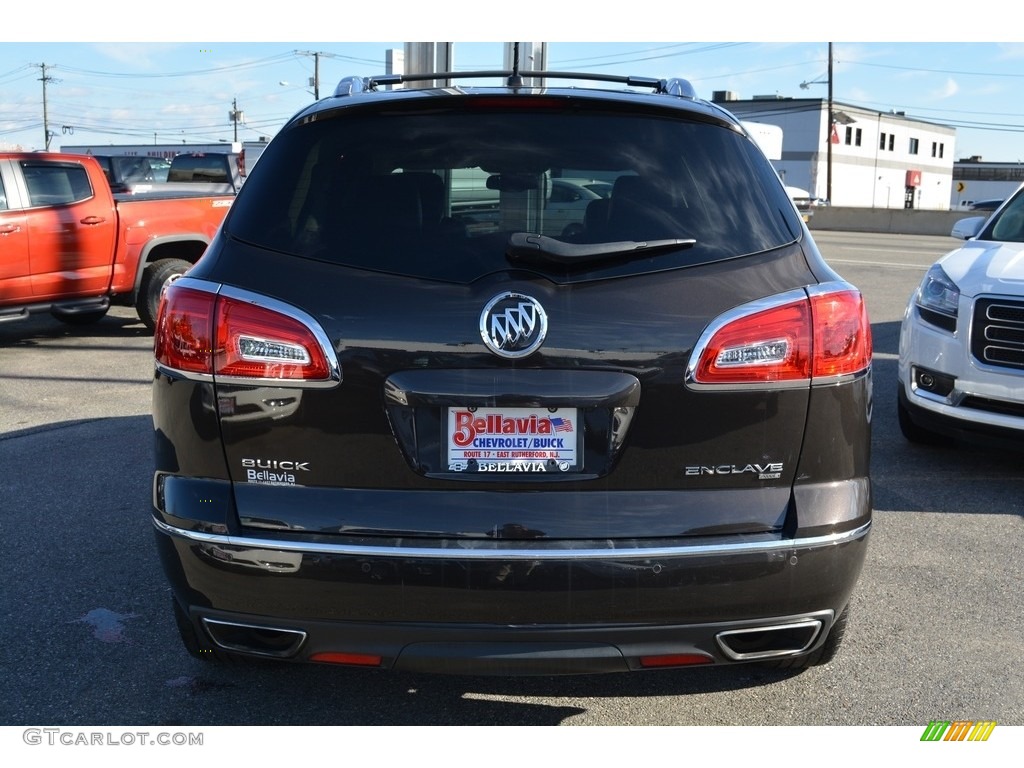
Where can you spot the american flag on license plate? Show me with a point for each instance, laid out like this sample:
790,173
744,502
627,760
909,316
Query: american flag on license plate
560,424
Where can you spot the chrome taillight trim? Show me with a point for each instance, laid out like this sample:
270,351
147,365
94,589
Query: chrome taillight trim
239,294
478,550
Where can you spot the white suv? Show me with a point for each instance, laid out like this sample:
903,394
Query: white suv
961,364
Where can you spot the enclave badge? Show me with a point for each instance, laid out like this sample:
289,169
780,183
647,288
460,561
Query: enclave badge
513,325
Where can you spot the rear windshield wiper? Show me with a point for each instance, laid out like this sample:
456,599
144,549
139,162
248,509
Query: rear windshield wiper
531,248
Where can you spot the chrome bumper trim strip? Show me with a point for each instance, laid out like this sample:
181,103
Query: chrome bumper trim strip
518,550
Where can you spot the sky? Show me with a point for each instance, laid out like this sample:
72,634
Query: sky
123,88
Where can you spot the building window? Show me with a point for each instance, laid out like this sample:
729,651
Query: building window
892,142
881,142
914,144
857,137
849,135
988,173
941,146
935,149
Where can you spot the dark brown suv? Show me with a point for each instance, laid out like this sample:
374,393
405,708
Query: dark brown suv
400,425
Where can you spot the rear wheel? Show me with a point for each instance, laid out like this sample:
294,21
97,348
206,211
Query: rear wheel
157,276
824,654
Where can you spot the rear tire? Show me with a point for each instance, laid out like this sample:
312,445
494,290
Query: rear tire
825,652
157,276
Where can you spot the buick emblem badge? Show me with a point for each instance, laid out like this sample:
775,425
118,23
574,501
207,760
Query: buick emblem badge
513,325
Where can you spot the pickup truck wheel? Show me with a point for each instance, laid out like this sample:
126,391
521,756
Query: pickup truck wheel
157,276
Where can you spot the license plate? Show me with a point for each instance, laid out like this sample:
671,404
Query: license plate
513,440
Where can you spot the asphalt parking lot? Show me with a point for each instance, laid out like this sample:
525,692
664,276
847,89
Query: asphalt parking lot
88,638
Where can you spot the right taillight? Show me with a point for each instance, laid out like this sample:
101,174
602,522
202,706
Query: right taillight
790,340
240,338
842,334
183,340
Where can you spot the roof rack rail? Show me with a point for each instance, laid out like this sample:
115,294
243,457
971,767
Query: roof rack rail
514,78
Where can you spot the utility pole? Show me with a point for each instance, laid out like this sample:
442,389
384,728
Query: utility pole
314,81
46,121
831,128
235,116
831,120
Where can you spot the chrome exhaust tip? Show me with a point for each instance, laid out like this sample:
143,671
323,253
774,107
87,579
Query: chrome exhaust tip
769,642
274,642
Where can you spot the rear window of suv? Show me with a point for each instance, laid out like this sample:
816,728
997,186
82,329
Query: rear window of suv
437,193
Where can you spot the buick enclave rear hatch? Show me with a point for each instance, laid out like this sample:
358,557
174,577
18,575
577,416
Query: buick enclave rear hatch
511,362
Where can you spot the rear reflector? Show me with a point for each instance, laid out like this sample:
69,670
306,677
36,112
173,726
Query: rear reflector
205,334
675,660
355,659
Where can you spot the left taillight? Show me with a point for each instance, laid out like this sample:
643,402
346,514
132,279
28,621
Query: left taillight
796,339
239,338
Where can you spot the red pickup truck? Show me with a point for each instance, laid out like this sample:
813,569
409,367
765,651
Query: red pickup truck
70,247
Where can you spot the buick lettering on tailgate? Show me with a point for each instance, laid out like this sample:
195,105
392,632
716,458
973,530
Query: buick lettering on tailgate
503,439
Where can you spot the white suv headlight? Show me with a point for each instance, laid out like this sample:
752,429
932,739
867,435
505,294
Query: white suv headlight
938,298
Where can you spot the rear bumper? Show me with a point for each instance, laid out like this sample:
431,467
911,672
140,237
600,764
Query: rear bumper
479,608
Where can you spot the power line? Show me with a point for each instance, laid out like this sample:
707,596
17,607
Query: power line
621,61
184,73
617,56
934,71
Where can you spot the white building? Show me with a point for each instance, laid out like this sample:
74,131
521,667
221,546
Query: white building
974,180
879,159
